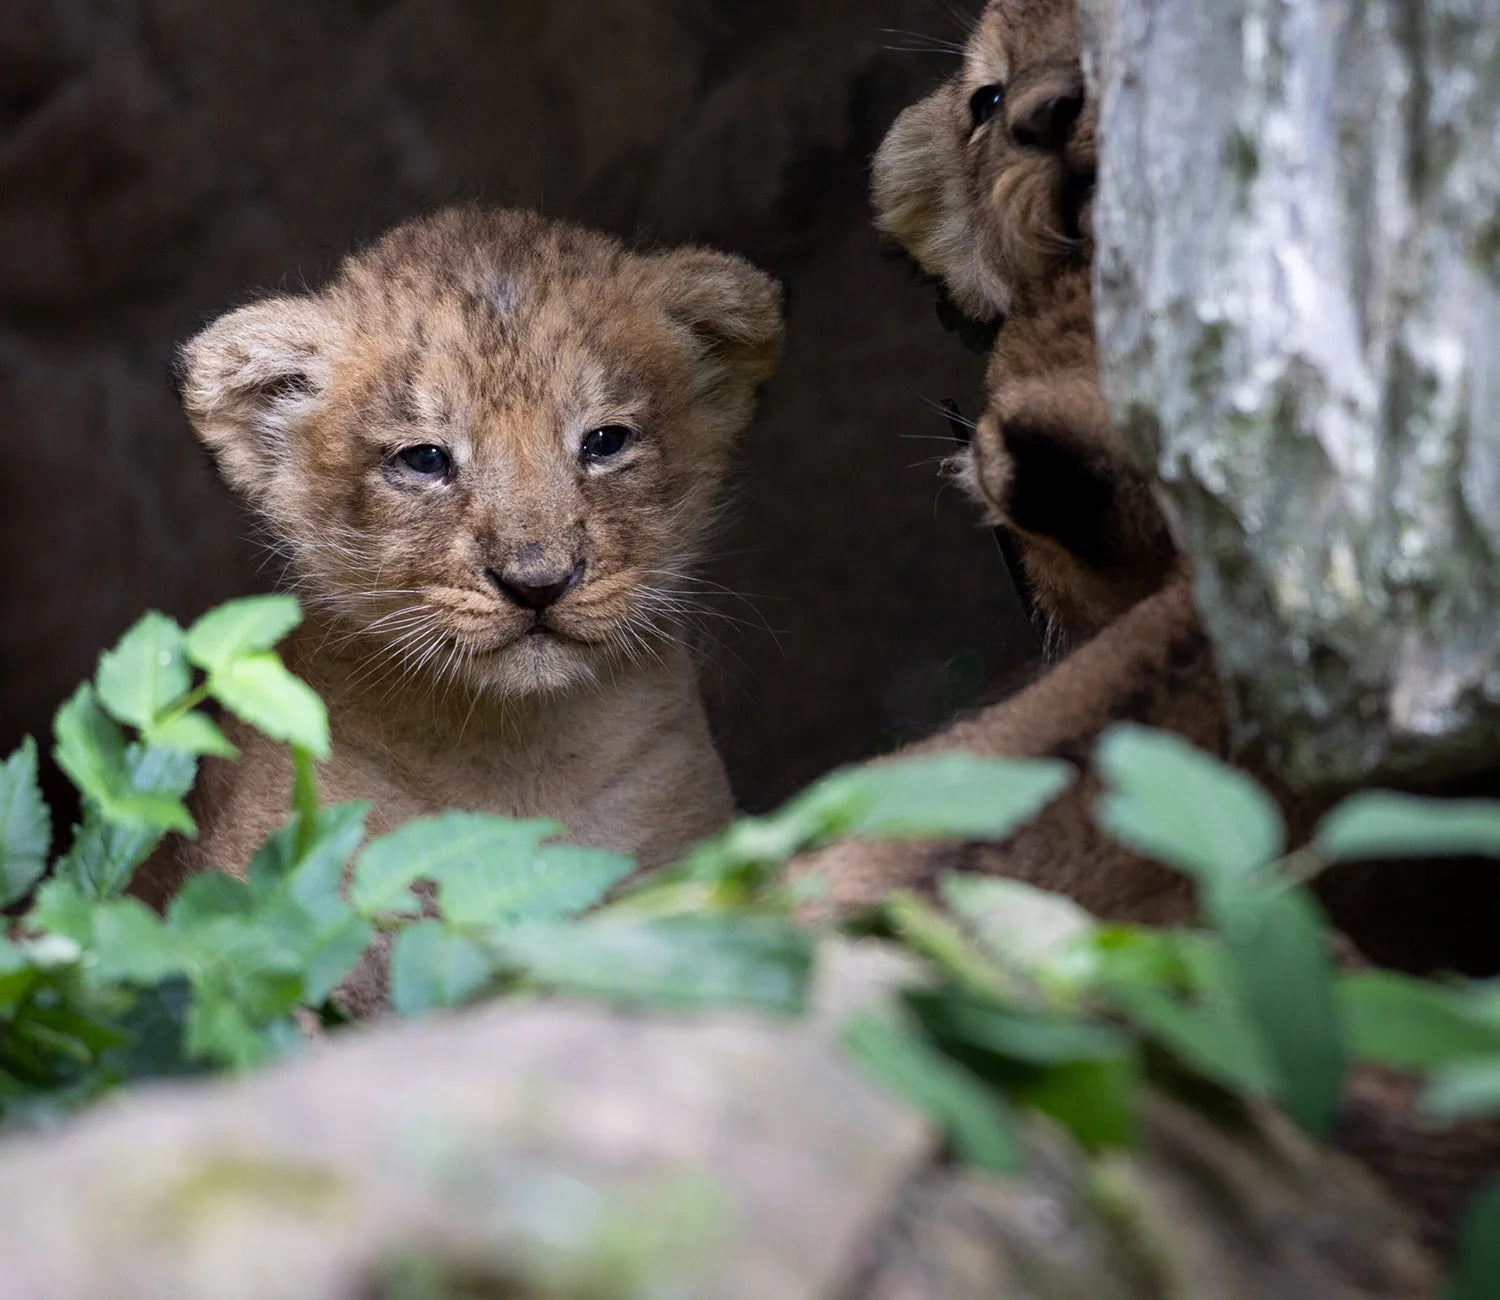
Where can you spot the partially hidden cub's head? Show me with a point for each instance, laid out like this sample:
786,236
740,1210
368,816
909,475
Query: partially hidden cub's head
988,184
493,443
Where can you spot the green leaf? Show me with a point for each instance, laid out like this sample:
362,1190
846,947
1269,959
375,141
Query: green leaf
314,875
155,811
430,847
334,951
955,796
1212,1037
1176,804
1412,1024
259,689
1476,1275
192,733
62,907
1382,824
1276,947
239,629
1093,1099
1025,928
432,967
970,1114
90,747
131,945
552,882
25,825
1032,1038
1470,1090
679,961
208,896
146,673
104,854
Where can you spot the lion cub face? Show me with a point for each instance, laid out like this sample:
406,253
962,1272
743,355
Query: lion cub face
988,181
492,444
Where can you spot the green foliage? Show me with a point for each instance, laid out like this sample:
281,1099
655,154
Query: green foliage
1024,1001
25,828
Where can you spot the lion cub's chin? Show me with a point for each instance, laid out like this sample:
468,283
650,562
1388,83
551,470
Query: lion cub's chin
538,662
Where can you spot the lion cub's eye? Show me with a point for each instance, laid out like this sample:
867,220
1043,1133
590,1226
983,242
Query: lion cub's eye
601,444
427,460
984,103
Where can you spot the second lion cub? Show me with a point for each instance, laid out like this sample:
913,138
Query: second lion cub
488,449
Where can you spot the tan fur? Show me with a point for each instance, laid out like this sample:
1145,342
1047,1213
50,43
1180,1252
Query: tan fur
502,339
987,214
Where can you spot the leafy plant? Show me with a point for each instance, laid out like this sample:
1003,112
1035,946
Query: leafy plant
1027,1003
97,989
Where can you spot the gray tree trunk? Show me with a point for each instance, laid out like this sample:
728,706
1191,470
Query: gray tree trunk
1298,293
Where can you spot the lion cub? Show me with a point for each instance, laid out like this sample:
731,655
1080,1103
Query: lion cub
988,183
488,449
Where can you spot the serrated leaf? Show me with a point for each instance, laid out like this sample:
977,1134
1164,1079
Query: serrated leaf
1383,824
428,847
208,896
61,907
971,1114
25,825
240,628
1468,1090
104,855
219,1029
192,733
679,962
157,811
945,796
1276,947
131,945
258,689
1174,803
332,954
90,747
146,673
551,882
1412,1024
313,875
433,967
1476,1273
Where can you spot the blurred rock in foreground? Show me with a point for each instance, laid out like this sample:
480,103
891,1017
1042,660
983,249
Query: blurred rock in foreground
551,1150
1299,299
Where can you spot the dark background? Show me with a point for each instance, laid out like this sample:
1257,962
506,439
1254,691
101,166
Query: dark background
159,158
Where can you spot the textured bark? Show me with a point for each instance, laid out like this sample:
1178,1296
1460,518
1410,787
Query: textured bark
551,1150
1299,307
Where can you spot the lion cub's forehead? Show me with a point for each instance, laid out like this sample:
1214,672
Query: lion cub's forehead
1014,35
486,315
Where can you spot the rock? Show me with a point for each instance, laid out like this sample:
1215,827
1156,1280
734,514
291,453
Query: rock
1298,294
545,1149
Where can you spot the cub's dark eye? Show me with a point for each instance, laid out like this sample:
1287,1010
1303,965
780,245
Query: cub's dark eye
609,441
984,103
428,461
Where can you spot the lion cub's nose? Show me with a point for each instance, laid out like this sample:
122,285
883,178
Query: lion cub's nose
535,585
1048,123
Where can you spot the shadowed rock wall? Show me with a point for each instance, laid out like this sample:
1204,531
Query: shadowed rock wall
159,158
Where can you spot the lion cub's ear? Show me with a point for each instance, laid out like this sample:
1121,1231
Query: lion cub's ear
732,307
249,378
